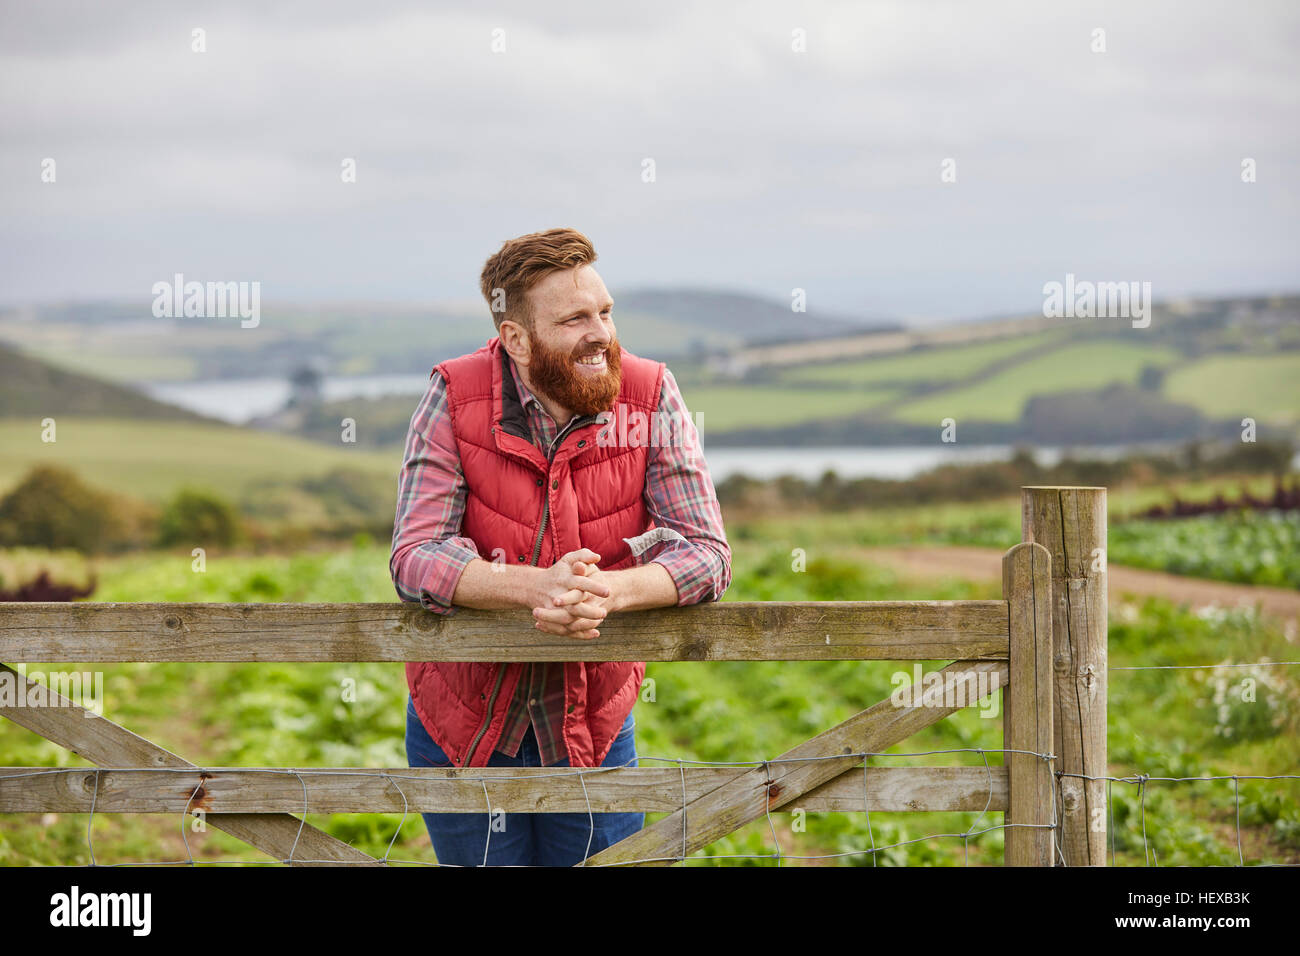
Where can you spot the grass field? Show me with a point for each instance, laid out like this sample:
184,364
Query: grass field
355,340
156,366
1162,722
1002,397
986,381
1253,547
727,407
938,365
994,523
1263,387
164,354
151,460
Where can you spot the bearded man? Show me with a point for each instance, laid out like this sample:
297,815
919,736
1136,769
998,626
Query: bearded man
523,487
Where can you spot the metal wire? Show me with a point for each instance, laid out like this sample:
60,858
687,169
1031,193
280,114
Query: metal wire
1141,780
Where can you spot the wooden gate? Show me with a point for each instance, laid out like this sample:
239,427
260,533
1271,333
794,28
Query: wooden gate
1054,582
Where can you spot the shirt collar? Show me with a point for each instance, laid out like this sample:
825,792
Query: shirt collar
525,396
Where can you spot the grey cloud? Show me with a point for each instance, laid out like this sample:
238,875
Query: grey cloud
774,169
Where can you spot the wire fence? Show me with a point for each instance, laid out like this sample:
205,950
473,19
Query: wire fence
1200,667
1140,780
582,773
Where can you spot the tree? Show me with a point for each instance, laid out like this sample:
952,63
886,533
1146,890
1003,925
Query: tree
199,519
1151,379
53,508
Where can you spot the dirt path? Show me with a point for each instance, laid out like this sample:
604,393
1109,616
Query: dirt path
978,564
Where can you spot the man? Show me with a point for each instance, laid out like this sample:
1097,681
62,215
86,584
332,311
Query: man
524,487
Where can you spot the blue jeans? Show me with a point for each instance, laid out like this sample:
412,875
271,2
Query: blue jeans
521,839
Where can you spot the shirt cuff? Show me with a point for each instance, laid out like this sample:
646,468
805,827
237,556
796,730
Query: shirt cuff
439,585
691,573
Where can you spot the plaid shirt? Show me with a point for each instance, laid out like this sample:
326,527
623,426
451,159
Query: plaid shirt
429,553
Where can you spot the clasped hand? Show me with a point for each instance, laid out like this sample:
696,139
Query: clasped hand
574,596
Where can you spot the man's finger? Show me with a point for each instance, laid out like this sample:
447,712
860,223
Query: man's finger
570,597
565,632
570,613
568,626
573,596
588,585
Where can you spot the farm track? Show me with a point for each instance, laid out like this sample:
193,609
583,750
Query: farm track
980,564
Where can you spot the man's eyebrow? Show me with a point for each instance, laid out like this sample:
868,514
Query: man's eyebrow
565,316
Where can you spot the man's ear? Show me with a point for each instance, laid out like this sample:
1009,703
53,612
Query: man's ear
514,339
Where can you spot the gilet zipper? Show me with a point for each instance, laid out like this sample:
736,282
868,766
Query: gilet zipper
541,529
537,549
469,754
546,498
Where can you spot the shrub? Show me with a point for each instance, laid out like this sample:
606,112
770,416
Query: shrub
53,508
351,492
199,519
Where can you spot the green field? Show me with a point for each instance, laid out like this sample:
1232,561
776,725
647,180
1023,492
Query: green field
1254,547
1256,540
354,340
1002,397
1175,723
727,407
923,366
151,460
139,365
1263,387
1227,359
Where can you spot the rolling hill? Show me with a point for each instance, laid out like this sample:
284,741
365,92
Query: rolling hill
125,344
33,388
1196,371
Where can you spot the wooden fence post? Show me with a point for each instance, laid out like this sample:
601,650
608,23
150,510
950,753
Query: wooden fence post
1071,524
1027,706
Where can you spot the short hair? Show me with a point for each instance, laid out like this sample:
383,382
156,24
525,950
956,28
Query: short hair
523,262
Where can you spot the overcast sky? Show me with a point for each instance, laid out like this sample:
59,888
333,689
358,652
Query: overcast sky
774,169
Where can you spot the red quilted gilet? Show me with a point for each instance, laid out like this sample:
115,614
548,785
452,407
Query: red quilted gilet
524,509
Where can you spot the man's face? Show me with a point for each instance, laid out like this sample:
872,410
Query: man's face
574,352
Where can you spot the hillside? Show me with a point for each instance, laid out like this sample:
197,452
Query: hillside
32,388
1195,372
124,442
125,344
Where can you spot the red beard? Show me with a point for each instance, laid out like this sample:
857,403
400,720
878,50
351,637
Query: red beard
553,374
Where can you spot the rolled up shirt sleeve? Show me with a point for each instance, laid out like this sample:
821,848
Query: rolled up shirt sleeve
429,553
688,539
